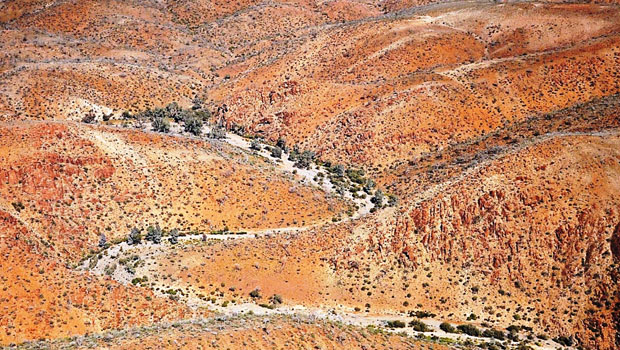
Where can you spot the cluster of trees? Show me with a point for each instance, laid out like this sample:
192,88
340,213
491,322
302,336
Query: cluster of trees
192,118
154,235
302,159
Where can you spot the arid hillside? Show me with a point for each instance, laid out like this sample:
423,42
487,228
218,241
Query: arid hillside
392,88
72,183
527,239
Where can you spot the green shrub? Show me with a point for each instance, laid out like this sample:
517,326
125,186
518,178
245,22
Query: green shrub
276,152
193,125
419,326
469,330
161,125
255,294
446,327
494,333
396,324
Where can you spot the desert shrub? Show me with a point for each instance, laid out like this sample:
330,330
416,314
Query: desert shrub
174,111
494,333
369,186
89,118
337,169
255,294
421,314
276,152
396,324
356,176
18,206
160,125
377,199
255,145
419,326
217,132
446,327
173,236
203,115
134,236
564,340
305,159
469,330
153,234
103,241
193,125
281,143
275,299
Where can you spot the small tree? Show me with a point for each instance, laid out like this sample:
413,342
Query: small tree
103,241
305,159
369,186
217,132
255,294
174,236
193,125
89,118
276,152
134,236
161,125
377,199
338,170
281,143
174,111
255,145
153,234
446,327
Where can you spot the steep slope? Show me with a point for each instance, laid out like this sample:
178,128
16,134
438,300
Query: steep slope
387,89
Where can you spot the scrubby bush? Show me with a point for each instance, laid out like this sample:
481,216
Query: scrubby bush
494,333
173,236
305,159
446,327
281,143
255,145
103,241
276,152
419,326
160,125
217,132
154,234
564,340
396,324
421,314
255,294
134,236
193,125
469,330
338,170
377,199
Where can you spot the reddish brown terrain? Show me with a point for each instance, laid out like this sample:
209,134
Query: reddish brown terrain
492,129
